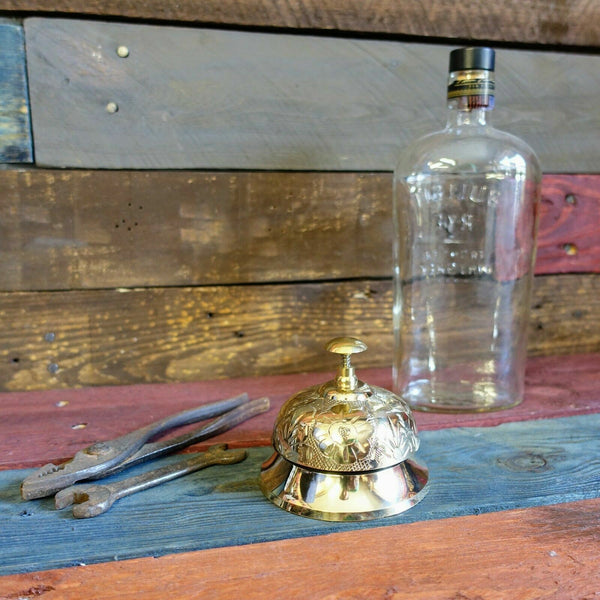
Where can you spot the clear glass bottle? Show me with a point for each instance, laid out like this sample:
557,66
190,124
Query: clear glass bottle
465,213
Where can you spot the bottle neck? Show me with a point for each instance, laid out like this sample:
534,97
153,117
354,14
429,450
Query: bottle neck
470,98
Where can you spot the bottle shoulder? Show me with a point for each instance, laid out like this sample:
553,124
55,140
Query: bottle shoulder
469,150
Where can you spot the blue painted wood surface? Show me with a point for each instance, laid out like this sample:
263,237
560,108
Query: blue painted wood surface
473,470
15,128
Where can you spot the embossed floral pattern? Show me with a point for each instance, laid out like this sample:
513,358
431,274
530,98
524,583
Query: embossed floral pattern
371,429
343,438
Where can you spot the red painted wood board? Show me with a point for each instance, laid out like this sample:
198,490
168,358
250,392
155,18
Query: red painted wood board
49,426
541,552
569,229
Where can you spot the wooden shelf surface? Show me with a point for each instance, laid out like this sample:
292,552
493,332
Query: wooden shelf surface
541,552
510,491
51,425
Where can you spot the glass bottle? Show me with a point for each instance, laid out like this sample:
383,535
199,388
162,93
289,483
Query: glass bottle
465,213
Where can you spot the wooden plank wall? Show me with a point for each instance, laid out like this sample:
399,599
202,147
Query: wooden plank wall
115,268
198,98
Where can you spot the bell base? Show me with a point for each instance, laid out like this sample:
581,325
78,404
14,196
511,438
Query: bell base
344,496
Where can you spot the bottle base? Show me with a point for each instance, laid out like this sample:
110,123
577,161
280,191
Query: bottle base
459,397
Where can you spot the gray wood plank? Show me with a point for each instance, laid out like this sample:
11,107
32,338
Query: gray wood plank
192,98
473,471
15,129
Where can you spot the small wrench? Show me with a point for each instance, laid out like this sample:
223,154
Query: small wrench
92,499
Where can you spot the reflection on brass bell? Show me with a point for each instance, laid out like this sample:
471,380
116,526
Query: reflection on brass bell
344,449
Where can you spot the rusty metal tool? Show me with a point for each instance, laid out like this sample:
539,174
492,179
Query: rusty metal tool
103,458
223,423
92,499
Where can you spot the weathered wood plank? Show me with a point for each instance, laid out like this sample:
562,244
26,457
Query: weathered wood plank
95,229
473,471
541,552
62,230
108,337
568,236
241,100
15,129
57,423
574,23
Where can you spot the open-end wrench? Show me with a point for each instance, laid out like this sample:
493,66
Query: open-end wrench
92,499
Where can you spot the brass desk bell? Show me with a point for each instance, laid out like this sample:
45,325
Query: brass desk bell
343,449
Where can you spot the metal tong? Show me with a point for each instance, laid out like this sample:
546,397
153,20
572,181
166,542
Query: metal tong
109,457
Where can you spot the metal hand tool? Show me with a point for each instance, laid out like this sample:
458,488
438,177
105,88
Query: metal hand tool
92,499
107,457
225,422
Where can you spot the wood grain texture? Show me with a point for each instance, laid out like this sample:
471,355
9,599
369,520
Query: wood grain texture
102,229
242,100
110,337
99,229
568,237
541,552
572,23
472,470
52,420
15,129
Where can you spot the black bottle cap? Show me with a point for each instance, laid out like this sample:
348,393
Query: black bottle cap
464,59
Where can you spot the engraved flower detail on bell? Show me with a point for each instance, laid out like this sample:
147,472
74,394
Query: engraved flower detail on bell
401,433
343,435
